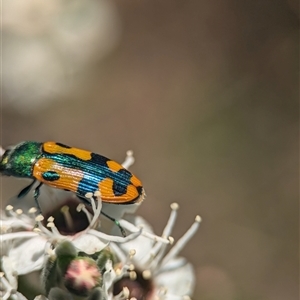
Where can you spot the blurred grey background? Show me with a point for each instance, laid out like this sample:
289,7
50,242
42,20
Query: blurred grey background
204,92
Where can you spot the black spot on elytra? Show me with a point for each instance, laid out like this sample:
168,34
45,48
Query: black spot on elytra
119,189
120,186
50,175
99,159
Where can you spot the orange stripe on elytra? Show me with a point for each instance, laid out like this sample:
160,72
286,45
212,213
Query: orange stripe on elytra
53,148
107,192
114,166
132,192
69,178
135,181
106,188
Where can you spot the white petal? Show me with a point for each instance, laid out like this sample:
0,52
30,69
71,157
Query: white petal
8,269
28,256
20,296
142,245
88,243
117,211
179,282
172,265
15,296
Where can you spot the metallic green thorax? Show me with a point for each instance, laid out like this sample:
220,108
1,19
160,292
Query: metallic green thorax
18,161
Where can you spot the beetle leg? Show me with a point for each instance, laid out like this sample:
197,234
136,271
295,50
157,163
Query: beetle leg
36,196
26,190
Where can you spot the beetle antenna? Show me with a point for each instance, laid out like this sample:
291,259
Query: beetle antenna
117,223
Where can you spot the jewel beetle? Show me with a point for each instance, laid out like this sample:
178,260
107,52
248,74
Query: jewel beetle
71,169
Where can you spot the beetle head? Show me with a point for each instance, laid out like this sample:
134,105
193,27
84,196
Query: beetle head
18,160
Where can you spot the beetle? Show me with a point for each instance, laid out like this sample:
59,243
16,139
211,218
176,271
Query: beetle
71,169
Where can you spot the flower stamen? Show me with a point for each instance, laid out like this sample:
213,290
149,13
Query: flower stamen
131,227
147,274
113,238
159,249
32,210
129,160
132,275
10,211
172,220
95,207
65,210
124,294
81,207
131,253
19,211
182,241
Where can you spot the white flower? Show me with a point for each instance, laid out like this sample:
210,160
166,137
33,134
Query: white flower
78,259
20,231
9,282
155,274
145,270
27,240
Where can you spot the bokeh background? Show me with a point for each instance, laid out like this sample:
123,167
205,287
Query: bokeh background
204,92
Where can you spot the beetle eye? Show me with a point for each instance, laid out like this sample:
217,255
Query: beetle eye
5,156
